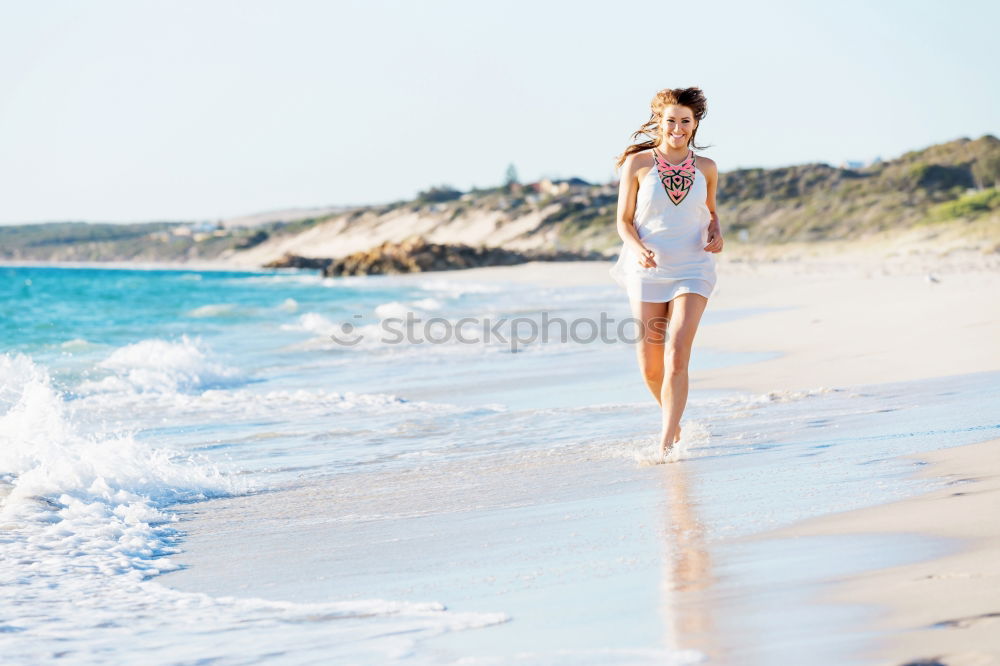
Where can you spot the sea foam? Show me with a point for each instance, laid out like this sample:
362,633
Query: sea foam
87,526
162,366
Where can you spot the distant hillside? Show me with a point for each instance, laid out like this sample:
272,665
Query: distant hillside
946,182
951,185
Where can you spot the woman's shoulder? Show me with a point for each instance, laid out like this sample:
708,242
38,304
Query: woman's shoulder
639,163
706,164
641,158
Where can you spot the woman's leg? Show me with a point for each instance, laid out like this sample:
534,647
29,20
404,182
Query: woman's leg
685,315
649,349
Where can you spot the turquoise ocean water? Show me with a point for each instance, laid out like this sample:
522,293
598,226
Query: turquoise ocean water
126,395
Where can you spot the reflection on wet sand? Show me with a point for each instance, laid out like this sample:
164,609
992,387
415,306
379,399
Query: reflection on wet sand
687,574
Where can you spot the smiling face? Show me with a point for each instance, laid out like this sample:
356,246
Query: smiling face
676,125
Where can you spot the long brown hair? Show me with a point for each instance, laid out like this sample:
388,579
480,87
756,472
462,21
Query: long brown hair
692,98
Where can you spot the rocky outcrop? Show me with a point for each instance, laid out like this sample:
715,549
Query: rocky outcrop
415,255
290,260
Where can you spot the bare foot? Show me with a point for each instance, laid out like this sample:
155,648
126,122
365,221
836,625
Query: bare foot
664,452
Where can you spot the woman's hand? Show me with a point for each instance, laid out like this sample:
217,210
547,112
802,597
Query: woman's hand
714,237
645,255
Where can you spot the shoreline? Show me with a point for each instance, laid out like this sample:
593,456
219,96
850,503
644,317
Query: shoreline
929,248
942,609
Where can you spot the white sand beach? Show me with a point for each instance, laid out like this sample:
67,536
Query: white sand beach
851,317
841,315
838,320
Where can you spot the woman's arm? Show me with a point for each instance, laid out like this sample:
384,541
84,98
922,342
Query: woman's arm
628,189
711,172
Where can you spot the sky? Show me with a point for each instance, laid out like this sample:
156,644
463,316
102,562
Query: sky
138,110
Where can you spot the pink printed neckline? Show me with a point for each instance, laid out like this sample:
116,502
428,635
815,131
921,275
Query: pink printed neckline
678,178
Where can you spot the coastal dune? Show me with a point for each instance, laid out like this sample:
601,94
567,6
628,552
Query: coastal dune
348,233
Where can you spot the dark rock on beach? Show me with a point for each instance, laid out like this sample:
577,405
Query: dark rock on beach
416,254
290,260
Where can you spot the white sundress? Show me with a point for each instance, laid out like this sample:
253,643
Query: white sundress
671,218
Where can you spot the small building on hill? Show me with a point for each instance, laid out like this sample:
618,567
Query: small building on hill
555,187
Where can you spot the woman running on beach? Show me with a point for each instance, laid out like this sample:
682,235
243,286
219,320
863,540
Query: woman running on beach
670,234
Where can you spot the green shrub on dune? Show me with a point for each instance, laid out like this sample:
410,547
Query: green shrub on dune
969,207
